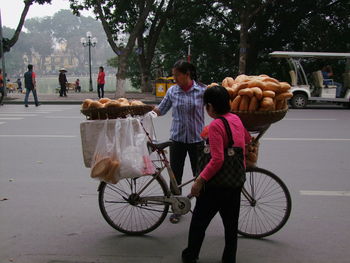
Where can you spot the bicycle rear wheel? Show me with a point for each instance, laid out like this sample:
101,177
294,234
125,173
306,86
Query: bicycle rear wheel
270,207
122,207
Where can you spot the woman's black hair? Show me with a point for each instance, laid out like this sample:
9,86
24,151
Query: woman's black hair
219,98
186,67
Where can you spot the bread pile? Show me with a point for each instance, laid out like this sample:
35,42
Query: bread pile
108,103
256,93
105,169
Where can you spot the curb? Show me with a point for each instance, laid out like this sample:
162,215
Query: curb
67,102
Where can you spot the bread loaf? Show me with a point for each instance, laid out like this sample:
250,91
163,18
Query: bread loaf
253,104
136,103
95,105
104,100
257,92
246,92
86,104
235,103
113,104
227,82
268,93
101,168
243,106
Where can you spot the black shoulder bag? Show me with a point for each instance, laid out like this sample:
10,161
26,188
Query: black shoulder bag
232,173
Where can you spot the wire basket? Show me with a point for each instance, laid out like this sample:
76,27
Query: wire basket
116,112
258,120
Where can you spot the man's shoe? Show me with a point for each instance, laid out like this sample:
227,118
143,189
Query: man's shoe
37,105
175,218
25,105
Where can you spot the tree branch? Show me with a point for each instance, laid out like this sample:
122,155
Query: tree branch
106,27
15,37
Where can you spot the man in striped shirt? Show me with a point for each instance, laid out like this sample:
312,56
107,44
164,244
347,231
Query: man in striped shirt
186,101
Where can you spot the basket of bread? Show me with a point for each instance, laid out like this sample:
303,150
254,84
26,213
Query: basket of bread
106,108
257,100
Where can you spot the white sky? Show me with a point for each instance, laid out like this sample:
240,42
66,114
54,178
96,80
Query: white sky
11,10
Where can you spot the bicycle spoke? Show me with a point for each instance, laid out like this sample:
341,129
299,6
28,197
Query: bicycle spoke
131,213
270,208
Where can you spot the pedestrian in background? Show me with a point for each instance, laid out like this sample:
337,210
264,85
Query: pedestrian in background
186,100
19,85
100,83
62,79
2,89
30,85
224,199
77,86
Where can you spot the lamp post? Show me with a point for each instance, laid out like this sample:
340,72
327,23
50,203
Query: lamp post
89,42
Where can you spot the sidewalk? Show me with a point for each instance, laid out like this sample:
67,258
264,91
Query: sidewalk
77,97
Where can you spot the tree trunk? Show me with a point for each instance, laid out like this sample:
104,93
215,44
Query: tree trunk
121,77
243,44
146,81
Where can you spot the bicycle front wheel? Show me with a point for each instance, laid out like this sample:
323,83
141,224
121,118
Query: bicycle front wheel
122,207
265,204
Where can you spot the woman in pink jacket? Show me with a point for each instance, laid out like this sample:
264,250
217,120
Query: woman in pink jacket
211,200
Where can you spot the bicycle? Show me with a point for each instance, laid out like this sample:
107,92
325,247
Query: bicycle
136,206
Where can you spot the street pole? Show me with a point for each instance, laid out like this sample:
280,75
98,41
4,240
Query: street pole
2,58
89,43
90,87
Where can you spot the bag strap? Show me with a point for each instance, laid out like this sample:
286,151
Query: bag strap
228,131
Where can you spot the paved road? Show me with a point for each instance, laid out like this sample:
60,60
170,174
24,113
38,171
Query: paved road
49,211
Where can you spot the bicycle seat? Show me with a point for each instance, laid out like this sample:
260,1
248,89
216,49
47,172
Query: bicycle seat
160,145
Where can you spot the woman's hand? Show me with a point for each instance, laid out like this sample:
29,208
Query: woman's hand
197,186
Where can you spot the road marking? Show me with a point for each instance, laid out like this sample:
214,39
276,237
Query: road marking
11,118
16,115
306,139
35,136
25,112
64,117
308,119
326,193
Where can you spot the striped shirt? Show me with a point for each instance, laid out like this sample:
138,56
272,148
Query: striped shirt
187,112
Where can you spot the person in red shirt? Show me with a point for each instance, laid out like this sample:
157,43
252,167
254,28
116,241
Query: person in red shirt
210,201
100,83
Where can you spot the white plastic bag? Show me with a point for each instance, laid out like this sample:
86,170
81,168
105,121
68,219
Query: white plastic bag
132,148
105,163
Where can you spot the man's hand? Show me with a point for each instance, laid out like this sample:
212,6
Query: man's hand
197,186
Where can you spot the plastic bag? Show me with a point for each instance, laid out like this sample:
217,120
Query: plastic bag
132,148
105,162
121,151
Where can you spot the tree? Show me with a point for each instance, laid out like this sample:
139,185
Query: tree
147,42
114,15
10,42
40,34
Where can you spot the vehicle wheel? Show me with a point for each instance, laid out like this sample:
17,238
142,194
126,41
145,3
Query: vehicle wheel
299,101
121,208
269,207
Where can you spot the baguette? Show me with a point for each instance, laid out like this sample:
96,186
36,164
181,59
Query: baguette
253,104
235,103
246,92
243,106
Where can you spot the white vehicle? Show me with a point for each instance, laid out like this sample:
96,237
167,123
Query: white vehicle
305,92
